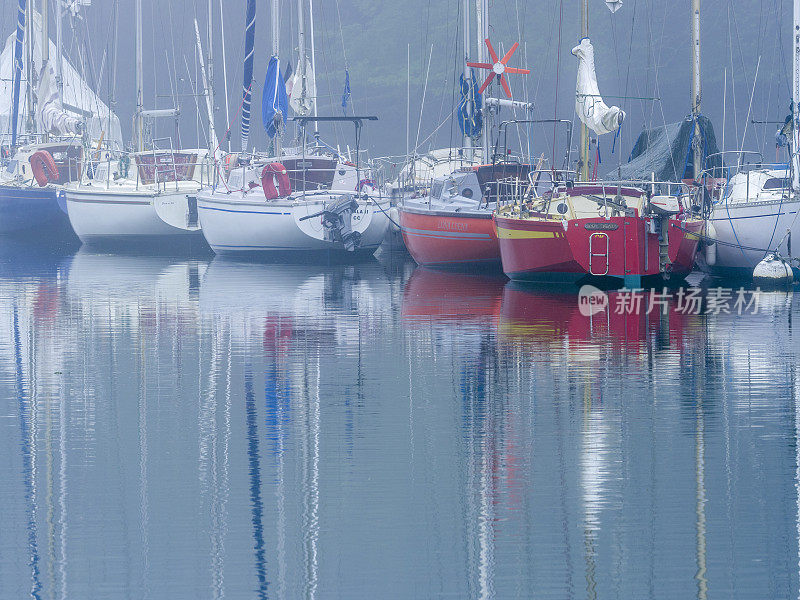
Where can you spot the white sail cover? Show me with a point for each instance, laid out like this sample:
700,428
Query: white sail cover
80,102
50,114
303,104
592,111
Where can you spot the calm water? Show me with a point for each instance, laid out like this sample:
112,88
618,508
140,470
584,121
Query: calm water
201,428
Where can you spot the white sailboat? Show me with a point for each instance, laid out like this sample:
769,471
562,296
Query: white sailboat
322,201
758,209
150,195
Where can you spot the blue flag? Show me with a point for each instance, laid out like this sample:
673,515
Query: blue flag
346,93
274,101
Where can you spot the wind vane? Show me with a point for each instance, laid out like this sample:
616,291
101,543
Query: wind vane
499,68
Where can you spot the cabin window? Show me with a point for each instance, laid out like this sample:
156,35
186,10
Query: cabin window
436,190
12,166
777,183
467,192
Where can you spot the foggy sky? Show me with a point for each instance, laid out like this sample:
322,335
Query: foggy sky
643,50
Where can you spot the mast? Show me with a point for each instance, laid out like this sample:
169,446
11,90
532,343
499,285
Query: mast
247,94
483,33
207,93
276,31
276,38
29,121
45,39
210,60
112,88
467,78
697,152
59,66
583,174
313,62
301,49
225,70
45,32
138,133
796,98
21,10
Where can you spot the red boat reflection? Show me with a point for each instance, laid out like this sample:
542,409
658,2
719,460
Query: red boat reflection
452,297
546,316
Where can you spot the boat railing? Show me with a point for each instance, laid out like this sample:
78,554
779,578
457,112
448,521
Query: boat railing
606,193
164,167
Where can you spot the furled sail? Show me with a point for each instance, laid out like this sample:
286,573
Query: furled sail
274,103
77,98
302,98
50,113
592,111
470,117
249,48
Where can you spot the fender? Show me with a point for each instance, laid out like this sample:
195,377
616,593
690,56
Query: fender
44,167
268,175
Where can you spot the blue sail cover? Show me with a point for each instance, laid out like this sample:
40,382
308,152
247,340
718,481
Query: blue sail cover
249,49
275,99
469,107
17,70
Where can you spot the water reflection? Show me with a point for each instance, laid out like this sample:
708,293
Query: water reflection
184,427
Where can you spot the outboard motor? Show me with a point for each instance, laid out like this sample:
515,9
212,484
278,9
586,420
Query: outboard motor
337,222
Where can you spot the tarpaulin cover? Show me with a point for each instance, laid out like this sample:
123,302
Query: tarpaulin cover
665,151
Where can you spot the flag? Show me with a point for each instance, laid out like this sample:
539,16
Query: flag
287,79
346,93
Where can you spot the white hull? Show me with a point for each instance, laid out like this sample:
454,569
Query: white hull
98,214
754,225
232,223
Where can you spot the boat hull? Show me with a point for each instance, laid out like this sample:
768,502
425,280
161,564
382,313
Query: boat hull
618,247
103,217
234,226
445,239
755,225
30,209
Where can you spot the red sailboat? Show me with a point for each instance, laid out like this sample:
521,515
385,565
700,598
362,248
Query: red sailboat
449,221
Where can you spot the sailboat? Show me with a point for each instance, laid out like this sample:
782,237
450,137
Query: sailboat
304,199
756,212
449,223
42,143
607,229
147,196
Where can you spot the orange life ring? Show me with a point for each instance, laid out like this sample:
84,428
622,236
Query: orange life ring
269,174
44,167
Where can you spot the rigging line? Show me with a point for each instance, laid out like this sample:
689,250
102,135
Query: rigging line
465,54
341,34
326,65
733,75
628,73
438,127
422,106
779,29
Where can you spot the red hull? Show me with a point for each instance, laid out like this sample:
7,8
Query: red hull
616,247
442,239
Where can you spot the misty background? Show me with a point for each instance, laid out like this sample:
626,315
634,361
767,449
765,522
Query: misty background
642,51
